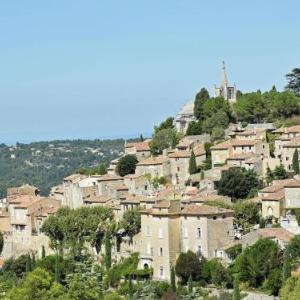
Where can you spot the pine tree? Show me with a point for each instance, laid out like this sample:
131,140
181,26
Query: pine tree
28,264
173,280
236,292
141,138
296,162
43,252
286,268
107,257
190,285
193,164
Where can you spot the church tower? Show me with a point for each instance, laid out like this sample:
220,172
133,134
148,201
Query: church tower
224,90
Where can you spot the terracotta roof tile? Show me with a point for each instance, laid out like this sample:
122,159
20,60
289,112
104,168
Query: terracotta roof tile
194,209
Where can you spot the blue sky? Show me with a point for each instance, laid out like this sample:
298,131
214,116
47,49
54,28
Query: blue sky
92,69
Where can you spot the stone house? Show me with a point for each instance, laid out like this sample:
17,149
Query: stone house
158,166
106,182
27,214
76,187
206,229
221,152
138,184
179,163
140,149
287,151
167,230
284,136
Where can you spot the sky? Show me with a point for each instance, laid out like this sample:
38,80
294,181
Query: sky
105,69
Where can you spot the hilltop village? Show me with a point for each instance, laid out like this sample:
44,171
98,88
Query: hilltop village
215,184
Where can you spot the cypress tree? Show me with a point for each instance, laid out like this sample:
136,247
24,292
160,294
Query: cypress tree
190,285
43,252
130,288
173,279
33,262
192,164
107,257
28,264
236,292
286,268
296,161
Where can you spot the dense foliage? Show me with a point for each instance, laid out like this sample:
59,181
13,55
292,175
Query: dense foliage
70,229
45,164
126,165
238,183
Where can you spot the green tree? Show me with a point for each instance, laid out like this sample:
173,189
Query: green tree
187,265
291,289
286,267
293,79
238,183
141,138
28,264
163,139
130,288
293,249
269,175
200,100
107,256
280,172
126,165
1,242
246,214
57,269
296,162
257,262
43,252
37,285
190,285
167,124
194,128
173,279
131,222
192,164
236,291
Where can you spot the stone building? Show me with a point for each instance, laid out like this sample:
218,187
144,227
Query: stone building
167,230
158,166
184,117
224,90
140,149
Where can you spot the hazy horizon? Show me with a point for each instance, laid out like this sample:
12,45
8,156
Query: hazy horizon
109,69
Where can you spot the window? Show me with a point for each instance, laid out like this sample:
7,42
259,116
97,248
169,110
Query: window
161,271
199,233
185,232
178,169
214,217
147,230
149,249
198,250
286,158
160,233
160,251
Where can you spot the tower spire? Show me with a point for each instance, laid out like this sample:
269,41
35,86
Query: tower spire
224,81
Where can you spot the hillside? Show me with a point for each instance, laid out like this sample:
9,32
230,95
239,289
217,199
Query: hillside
45,164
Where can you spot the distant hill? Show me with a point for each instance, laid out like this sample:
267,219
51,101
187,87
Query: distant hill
45,164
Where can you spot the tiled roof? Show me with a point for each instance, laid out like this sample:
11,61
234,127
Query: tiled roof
75,177
243,142
294,183
97,199
108,177
279,233
205,210
295,142
180,154
222,146
155,160
199,150
277,196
